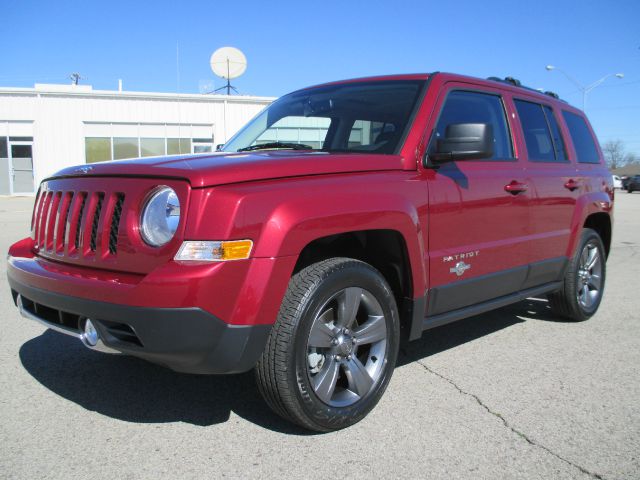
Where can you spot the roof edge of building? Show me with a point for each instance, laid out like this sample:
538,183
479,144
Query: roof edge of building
89,92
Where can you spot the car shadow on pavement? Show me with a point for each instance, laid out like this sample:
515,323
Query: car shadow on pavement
132,390
455,334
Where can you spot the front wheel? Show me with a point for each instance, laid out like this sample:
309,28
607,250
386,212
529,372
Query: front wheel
581,292
332,350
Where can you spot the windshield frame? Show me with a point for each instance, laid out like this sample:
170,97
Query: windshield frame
402,137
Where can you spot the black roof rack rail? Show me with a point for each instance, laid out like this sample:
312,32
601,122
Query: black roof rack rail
516,83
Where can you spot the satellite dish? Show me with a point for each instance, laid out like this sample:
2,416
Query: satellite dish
228,63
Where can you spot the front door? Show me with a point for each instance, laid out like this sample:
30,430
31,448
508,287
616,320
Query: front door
21,165
479,209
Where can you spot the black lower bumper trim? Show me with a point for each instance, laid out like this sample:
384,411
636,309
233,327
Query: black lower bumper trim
187,340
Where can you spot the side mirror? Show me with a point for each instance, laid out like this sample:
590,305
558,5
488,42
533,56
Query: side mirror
219,147
464,141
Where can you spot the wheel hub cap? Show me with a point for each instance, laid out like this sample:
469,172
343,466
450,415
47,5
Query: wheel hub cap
347,347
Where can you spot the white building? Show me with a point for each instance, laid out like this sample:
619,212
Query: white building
46,128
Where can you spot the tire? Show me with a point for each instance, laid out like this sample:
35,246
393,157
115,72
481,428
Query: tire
584,280
312,371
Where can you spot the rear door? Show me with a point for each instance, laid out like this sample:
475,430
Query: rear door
556,187
479,209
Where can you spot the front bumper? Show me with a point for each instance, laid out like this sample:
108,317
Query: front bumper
184,339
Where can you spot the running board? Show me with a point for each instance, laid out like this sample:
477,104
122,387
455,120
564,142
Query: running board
448,317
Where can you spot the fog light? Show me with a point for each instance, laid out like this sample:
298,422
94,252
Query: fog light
212,251
90,335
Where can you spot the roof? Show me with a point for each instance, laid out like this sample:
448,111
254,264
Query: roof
508,83
87,91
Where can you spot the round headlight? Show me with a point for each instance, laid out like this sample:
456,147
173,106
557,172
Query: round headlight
160,216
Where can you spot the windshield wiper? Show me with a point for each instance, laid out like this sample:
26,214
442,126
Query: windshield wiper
266,146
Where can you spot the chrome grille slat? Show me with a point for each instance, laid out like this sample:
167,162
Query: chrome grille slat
79,220
42,220
115,224
94,223
77,223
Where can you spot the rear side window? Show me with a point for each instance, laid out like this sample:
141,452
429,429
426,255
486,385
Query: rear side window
541,132
582,139
474,107
558,141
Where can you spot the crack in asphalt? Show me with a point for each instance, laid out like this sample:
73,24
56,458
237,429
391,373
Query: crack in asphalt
522,435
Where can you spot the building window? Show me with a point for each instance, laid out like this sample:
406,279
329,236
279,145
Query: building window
125,147
177,146
97,149
151,147
101,149
202,145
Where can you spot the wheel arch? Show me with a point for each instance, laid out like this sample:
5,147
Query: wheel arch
384,249
601,223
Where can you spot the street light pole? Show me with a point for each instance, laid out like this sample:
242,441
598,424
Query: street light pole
584,89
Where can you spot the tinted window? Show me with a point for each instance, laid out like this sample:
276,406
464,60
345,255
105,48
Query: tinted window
331,111
536,132
3,147
582,139
558,141
473,107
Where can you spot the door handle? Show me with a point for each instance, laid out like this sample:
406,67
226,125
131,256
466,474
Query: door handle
515,187
571,185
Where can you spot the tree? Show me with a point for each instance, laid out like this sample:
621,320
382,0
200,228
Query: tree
614,153
631,159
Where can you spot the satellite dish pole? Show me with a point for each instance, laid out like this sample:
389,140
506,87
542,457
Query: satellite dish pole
75,78
228,63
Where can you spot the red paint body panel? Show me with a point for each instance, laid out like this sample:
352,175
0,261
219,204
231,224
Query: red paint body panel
241,293
283,200
225,168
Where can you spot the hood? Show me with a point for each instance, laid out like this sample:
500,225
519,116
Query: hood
224,168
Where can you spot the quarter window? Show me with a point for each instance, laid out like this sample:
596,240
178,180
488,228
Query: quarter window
582,139
474,107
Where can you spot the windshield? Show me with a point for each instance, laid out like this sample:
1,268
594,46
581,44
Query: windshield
351,117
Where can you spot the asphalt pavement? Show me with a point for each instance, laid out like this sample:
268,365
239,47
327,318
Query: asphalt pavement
514,393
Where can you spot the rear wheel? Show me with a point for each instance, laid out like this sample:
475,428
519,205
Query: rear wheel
333,348
583,285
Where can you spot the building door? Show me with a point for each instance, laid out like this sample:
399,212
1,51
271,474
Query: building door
21,166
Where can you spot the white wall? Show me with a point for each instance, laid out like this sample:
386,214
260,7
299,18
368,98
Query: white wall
58,121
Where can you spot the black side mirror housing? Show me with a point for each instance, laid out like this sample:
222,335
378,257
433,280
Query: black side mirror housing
464,141
219,147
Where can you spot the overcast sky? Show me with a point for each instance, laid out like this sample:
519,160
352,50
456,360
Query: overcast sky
150,45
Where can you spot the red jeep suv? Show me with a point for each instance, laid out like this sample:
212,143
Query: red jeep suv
341,219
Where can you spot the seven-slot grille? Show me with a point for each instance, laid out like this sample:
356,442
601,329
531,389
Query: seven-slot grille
69,223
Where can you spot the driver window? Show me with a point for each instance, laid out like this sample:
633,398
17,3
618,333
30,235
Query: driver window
473,107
